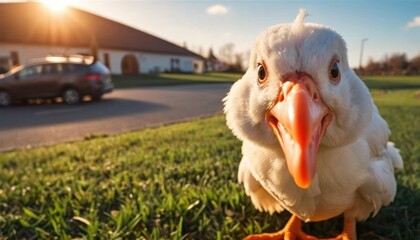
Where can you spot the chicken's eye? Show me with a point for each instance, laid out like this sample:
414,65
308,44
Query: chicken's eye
262,73
334,72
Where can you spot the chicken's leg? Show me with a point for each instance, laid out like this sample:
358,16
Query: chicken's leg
349,231
293,231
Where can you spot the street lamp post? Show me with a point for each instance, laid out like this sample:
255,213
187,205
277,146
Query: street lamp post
361,52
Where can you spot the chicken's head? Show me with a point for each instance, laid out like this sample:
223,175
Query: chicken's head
299,95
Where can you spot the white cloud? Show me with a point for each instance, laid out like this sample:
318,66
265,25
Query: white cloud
414,23
217,9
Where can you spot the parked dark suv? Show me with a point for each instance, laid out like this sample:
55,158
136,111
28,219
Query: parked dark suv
70,78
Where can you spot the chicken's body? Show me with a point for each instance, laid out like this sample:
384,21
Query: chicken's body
349,180
353,174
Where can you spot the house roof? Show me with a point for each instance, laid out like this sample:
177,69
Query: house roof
34,23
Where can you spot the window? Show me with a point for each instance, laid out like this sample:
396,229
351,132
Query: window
75,68
30,72
52,68
175,65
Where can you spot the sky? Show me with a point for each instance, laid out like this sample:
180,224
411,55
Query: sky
390,26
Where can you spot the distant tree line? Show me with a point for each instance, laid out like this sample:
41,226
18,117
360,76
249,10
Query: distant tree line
229,60
232,60
395,64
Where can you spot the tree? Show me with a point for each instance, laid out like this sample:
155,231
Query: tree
211,54
227,54
372,68
394,64
414,65
212,63
397,63
241,61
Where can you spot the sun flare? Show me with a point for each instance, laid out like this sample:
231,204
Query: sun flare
56,5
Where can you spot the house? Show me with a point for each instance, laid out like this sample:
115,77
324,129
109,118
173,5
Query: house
30,30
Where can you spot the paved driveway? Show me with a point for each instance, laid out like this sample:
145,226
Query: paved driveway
123,110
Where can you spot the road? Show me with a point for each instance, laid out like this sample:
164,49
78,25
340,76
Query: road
26,126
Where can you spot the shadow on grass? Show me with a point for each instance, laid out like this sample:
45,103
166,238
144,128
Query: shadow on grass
399,220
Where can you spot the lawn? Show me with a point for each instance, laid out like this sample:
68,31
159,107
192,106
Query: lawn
167,79
179,182
392,82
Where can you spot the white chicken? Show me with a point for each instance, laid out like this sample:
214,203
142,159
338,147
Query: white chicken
314,143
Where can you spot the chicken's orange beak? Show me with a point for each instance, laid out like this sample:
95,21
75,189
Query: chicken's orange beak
299,120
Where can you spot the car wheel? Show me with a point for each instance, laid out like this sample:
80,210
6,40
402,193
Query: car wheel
5,99
71,96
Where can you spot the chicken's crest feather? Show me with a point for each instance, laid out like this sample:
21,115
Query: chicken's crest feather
298,24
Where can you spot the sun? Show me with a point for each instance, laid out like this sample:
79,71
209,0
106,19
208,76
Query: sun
56,5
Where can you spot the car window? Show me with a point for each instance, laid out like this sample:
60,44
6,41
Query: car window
56,68
30,72
74,68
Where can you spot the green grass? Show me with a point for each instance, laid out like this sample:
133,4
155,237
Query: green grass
168,79
392,82
177,182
